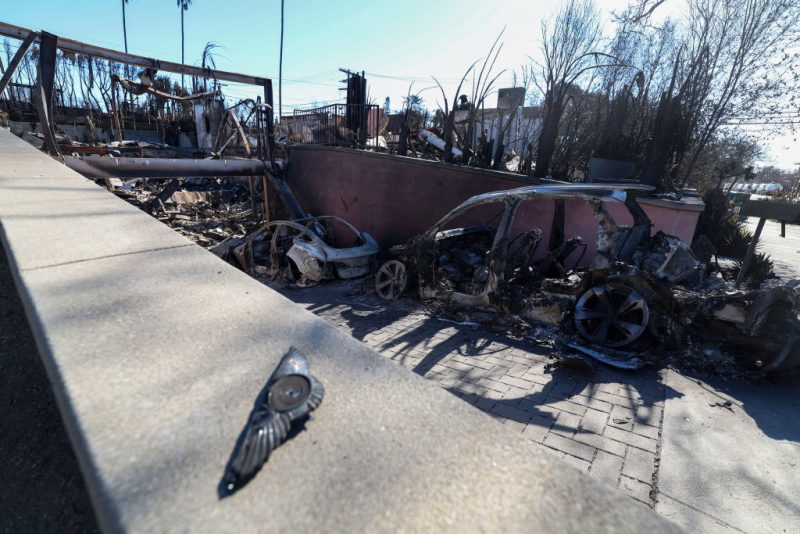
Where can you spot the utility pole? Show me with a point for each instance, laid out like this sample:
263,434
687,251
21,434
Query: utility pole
280,72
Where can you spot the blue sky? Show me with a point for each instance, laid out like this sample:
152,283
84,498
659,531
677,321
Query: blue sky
395,42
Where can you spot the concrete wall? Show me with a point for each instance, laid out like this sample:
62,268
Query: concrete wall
394,198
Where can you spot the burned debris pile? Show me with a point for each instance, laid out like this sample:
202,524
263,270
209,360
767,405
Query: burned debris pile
220,215
643,299
209,211
305,251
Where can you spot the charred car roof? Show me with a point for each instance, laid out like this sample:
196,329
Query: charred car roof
562,191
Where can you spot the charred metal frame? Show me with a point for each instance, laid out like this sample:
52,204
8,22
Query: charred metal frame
124,167
12,66
424,246
44,90
314,257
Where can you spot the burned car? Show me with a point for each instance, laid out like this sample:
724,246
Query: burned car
491,252
306,250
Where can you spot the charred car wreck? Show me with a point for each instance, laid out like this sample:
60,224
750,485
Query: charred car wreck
306,250
640,292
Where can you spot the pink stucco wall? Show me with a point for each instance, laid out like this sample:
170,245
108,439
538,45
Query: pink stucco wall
395,198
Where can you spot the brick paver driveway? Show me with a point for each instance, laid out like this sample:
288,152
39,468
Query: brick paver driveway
607,424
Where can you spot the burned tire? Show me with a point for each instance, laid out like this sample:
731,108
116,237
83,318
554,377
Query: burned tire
391,280
611,315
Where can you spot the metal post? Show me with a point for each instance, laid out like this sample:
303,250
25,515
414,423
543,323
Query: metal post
265,187
12,66
783,228
115,109
748,257
44,90
270,118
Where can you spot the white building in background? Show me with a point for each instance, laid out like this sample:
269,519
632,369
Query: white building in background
520,124
762,189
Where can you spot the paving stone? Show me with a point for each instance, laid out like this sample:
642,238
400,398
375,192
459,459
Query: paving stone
566,424
630,438
617,400
647,431
494,360
580,464
514,425
646,392
566,406
604,443
623,412
594,421
515,395
492,394
570,446
537,376
636,489
485,404
541,410
510,412
471,389
562,388
517,382
590,389
591,402
606,467
639,464
649,415
456,365
475,362
517,370
538,428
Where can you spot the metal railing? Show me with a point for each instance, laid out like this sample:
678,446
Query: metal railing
348,125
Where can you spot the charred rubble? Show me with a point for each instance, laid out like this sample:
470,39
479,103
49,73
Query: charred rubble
643,299
220,215
209,211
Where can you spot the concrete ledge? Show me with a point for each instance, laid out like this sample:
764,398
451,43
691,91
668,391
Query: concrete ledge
462,171
156,350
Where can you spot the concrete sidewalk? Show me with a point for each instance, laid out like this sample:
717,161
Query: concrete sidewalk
731,468
784,251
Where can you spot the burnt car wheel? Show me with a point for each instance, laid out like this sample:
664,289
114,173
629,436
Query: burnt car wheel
611,315
391,280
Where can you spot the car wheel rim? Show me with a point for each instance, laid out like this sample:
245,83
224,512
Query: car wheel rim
611,315
391,279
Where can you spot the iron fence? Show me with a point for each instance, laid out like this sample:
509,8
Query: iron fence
349,125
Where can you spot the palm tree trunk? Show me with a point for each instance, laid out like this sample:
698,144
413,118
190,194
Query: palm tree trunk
183,61
124,27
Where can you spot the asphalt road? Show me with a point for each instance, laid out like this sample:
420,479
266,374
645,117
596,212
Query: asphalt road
42,489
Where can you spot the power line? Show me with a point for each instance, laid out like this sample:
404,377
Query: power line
762,123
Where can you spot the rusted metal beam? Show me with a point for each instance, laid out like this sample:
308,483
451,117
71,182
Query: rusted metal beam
270,123
70,45
44,90
12,66
165,168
